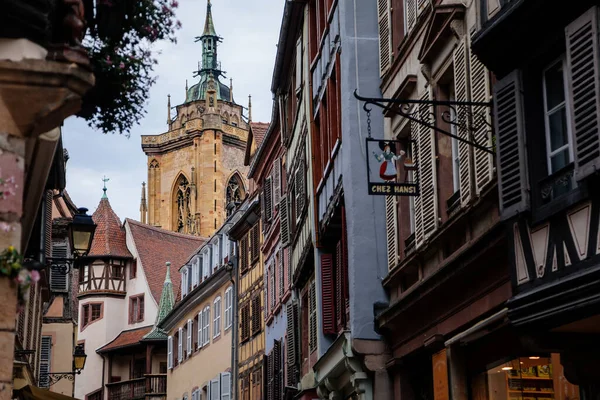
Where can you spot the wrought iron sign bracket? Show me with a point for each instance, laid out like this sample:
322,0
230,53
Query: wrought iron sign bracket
469,116
62,265
54,377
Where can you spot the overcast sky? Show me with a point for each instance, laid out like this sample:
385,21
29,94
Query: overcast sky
250,30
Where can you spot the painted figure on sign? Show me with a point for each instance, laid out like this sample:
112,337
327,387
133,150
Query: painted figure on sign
388,159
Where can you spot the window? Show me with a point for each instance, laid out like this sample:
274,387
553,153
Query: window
133,269
200,325
59,279
90,312
225,386
136,308
228,306
184,288
45,359
273,287
558,133
195,273
196,394
217,317
206,326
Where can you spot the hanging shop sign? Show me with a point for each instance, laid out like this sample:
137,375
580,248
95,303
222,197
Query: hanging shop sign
391,167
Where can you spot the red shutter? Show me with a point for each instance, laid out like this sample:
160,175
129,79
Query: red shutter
327,294
291,343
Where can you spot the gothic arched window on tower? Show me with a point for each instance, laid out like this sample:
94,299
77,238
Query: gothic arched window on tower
183,214
235,192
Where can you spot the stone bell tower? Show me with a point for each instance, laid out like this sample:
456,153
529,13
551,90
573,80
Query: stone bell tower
196,165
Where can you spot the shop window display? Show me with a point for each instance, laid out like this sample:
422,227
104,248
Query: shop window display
525,378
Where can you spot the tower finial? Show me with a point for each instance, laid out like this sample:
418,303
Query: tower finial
169,110
168,276
249,108
105,179
143,206
231,90
209,26
186,87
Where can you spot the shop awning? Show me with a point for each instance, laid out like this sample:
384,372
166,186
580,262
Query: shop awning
30,392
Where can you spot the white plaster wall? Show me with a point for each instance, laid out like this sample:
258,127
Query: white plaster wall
139,285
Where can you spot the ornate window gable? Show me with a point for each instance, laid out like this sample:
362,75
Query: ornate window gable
182,217
235,191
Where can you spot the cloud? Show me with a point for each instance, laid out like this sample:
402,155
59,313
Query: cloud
250,31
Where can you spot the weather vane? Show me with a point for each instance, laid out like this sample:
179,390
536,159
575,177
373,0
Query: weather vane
105,179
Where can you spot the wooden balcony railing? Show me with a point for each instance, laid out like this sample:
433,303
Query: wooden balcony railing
125,390
156,385
150,386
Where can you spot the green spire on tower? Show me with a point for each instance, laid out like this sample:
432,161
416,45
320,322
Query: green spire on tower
209,26
167,301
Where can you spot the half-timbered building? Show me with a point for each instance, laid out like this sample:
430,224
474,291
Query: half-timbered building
547,115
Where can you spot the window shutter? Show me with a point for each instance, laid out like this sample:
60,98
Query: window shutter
481,123
391,226
225,386
263,209
511,158
298,64
292,344
254,243
411,13
327,294
281,273
427,172
276,354
312,318
584,91
45,360
267,289
244,254
284,221
462,129
200,329
207,324
277,182
268,198
190,328
385,35
141,305
270,376
215,389
273,285
180,345
300,189
170,352
418,203
59,280
256,314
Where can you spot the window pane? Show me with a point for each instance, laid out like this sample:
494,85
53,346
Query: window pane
559,135
560,160
555,86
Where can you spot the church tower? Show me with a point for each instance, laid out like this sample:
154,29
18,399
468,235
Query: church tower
195,168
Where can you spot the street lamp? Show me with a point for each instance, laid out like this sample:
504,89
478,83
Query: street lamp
81,235
79,358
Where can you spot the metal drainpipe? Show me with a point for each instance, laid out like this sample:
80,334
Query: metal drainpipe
234,329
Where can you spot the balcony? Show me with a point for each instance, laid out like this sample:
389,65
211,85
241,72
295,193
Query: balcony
153,386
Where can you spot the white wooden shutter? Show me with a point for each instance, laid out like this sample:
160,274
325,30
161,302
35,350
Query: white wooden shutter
45,360
59,280
284,221
190,328
266,290
180,345
385,35
273,285
427,170
461,94
482,122
391,226
299,64
225,386
410,7
207,322
215,389
418,200
199,329
513,183
584,91
276,182
170,352
281,273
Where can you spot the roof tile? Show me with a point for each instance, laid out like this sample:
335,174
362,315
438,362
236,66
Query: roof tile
125,339
156,246
109,238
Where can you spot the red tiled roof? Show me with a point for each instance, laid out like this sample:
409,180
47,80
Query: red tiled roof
125,339
258,130
109,239
156,246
